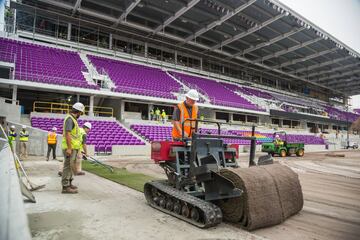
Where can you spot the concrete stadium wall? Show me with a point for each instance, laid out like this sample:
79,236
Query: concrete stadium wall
315,148
10,111
38,142
126,150
13,219
308,148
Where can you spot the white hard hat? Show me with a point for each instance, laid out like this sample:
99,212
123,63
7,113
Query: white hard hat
193,94
54,129
12,126
79,106
23,126
277,136
88,125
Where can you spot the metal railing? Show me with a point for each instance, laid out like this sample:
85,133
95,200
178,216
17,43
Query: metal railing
63,108
51,107
100,111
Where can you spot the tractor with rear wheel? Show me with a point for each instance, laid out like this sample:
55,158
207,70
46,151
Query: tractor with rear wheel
284,149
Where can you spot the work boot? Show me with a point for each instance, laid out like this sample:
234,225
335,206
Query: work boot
73,186
69,190
80,173
59,173
47,159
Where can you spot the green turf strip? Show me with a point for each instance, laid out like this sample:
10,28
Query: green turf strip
120,175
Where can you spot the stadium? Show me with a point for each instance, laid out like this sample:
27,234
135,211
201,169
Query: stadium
261,72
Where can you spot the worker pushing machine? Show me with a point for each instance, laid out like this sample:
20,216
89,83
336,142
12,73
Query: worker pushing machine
182,111
71,144
84,131
24,139
52,141
12,138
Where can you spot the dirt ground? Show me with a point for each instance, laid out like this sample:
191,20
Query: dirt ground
106,210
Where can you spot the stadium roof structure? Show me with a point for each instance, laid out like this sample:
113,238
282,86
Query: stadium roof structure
261,36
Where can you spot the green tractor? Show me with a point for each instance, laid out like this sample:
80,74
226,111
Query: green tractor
283,148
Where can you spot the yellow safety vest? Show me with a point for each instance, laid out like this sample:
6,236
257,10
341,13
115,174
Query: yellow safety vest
24,136
279,142
82,133
188,126
52,138
11,137
75,135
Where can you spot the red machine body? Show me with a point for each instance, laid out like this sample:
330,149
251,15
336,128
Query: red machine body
161,151
234,146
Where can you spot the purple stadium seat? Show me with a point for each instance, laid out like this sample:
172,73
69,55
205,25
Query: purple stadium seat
44,64
137,79
103,140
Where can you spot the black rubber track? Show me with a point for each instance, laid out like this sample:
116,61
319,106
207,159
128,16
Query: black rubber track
210,214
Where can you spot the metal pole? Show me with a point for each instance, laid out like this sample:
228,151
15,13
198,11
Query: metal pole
252,148
347,123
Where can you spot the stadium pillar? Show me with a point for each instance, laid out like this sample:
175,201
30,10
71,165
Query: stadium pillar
77,97
231,117
201,64
69,32
151,106
122,109
14,94
110,40
175,55
91,106
146,50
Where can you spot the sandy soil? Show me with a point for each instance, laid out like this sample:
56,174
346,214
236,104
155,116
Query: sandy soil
106,210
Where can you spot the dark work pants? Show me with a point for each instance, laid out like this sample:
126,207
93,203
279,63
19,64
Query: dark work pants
53,148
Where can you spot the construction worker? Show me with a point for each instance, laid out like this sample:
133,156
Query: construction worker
12,138
52,141
84,131
152,114
71,144
278,141
163,116
182,111
24,139
157,114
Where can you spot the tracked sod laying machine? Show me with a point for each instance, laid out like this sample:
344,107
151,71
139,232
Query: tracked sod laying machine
206,186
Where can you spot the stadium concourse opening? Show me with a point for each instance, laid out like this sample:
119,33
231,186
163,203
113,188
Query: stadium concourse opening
109,82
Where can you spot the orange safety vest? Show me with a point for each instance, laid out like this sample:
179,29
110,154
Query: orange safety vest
184,114
51,138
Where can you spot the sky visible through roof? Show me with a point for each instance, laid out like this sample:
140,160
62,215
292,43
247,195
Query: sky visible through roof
340,18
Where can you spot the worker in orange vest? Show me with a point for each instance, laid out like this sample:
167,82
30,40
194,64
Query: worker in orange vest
52,140
182,111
